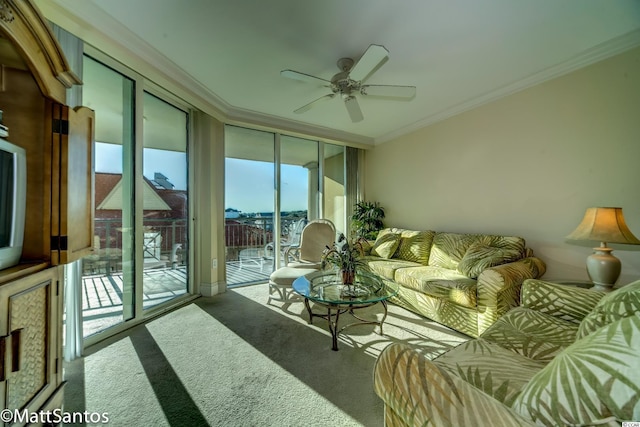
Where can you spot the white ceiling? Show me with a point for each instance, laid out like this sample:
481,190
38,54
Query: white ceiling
459,53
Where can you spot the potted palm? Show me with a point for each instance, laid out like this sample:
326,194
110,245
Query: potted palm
366,220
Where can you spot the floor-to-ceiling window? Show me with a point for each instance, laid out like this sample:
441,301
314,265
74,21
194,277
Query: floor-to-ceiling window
165,199
108,274
298,188
249,203
141,242
266,172
299,172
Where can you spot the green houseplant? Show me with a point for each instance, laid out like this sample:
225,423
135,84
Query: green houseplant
366,220
345,257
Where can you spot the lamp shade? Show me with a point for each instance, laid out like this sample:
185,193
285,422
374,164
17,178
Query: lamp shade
604,225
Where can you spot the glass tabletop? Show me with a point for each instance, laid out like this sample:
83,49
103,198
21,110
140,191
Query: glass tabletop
326,287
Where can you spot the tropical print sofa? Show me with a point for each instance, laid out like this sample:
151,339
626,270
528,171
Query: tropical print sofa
566,356
464,281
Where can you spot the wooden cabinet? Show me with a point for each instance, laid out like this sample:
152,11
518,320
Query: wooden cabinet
30,342
58,140
72,182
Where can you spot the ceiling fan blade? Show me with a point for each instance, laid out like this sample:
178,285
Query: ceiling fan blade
389,91
353,108
307,78
313,103
370,61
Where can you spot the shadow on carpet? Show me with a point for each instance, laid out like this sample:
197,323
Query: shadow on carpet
234,360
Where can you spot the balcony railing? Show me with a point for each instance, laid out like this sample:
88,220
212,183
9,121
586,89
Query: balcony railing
245,238
253,233
165,242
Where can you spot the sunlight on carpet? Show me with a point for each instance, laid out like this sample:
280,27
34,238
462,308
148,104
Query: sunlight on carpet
234,360
400,325
227,380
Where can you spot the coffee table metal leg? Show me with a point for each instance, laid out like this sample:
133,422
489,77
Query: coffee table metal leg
306,304
333,327
384,316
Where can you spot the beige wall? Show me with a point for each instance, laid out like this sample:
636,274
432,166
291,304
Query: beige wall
208,204
528,164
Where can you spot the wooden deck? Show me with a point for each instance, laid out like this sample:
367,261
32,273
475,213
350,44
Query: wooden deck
249,272
102,294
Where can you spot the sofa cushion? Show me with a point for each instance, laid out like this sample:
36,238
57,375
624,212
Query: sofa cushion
532,334
594,381
385,245
386,268
439,282
481,256
415,246
496,371
623,302
448,249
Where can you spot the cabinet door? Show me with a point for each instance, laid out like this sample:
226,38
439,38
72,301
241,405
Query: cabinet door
72,216
30,340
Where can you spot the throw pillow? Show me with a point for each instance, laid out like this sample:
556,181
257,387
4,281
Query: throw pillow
480,256
594,381
385,245
415,246
620,303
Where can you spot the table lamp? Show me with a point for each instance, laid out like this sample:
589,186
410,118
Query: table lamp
604,225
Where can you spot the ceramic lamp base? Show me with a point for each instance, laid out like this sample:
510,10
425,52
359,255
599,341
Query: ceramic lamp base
603,268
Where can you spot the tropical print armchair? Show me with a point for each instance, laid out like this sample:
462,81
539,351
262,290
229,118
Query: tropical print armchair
566,356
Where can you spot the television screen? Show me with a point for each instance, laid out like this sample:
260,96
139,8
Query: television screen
13,194
6,197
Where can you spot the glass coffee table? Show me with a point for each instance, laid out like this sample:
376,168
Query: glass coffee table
325,288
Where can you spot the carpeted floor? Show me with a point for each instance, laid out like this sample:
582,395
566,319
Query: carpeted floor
234,360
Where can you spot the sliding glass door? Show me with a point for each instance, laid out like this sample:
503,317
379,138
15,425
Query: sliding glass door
141,243
108,286
267,173
165,202
299,172
298,189
249,204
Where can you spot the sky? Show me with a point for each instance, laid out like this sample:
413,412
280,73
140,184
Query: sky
249,184
171,164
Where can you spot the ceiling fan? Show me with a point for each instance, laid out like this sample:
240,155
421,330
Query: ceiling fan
349,82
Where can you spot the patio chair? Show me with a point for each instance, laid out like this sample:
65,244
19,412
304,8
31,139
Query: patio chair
292,239
264,255
302,259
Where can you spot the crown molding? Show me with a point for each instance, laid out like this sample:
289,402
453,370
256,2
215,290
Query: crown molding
598,53
117,41
294,128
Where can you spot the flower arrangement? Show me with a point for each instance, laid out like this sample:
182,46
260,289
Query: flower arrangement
346,257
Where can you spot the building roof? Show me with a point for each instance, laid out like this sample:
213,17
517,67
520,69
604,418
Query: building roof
158,203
